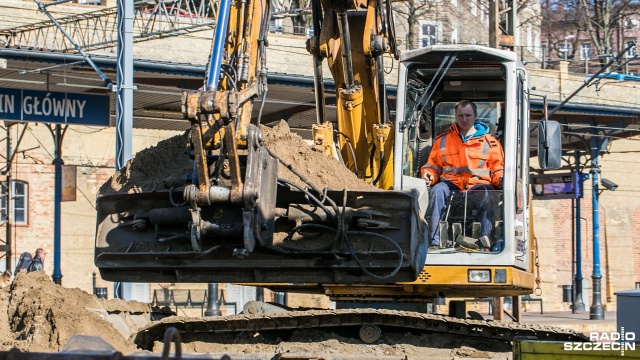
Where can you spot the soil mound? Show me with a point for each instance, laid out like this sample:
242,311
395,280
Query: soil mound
321,169
159,167
37,315
166,165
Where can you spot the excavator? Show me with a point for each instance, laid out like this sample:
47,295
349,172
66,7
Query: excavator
368,249
234,203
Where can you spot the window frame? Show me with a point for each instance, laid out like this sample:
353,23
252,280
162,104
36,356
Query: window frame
431,38
632,51
23,210
584,55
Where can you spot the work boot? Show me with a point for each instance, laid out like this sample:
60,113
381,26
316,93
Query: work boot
467,242
498,246
485,242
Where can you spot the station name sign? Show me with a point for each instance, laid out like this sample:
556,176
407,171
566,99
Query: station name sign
54,107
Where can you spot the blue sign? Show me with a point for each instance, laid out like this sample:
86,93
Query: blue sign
556,186
54,107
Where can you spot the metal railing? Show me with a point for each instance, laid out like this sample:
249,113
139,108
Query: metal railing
180,297
188,298
98,29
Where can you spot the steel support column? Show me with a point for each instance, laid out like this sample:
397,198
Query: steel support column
57,199
8,188
578,306
124,84
596,312
9,200
578,303
124,92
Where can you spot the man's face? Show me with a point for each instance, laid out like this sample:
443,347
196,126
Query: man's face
465,118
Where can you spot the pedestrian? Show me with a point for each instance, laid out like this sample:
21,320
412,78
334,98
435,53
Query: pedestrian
465,158
37,264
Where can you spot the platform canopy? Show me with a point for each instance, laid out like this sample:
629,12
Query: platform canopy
290,97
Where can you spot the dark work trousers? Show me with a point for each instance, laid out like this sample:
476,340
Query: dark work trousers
439,199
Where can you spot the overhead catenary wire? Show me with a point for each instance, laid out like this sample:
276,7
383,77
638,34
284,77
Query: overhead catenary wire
600,135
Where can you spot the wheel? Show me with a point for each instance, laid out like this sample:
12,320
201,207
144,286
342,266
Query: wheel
370,333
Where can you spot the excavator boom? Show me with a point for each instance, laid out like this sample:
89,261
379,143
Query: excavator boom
234,220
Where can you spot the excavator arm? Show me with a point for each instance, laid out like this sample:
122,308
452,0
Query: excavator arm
354,36
234,220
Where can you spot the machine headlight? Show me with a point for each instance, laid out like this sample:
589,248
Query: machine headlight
479,276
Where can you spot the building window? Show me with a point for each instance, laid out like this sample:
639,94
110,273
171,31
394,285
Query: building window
632,50
585,51
428,34
20,203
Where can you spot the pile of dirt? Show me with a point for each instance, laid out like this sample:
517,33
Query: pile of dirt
37,315
166,165
159,167
321,169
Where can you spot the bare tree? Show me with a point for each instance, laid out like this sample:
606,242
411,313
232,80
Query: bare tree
559,19
528,12
302,20
412,11
601,19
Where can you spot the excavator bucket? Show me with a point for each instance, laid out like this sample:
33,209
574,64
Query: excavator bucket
346,237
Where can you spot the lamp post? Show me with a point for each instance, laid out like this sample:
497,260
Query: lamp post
566,46
596,311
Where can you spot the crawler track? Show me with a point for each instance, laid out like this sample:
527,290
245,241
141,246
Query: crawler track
490,330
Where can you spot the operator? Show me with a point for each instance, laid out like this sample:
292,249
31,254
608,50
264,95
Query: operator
464,158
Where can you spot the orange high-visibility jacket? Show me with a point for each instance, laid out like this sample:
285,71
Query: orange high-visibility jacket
478,160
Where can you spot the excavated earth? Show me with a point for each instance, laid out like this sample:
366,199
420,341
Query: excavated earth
165,165
37,315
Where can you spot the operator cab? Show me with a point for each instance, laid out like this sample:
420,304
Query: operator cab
434,79
464,213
